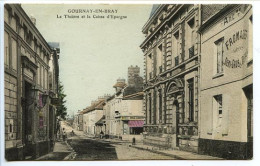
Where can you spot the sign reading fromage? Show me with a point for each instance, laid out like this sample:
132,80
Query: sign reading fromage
239,35
236,49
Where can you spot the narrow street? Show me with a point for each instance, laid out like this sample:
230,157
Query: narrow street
87,148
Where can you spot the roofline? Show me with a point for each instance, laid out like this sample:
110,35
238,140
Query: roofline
178,6
30,23
134,95
215,17
155,14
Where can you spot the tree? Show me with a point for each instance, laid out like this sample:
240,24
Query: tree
61,109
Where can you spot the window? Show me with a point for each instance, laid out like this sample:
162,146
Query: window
175,49
159,59
218,99
154,108
191,99
150,109
46,78
42,76
6,45
250,39
160,106
14,54
219,55
191,35
149,66
218,112
39,75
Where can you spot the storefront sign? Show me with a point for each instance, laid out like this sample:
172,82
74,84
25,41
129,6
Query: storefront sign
232,17
239,35
131,118
235,49
235,63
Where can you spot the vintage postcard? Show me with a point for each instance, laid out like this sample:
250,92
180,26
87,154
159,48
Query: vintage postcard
87,82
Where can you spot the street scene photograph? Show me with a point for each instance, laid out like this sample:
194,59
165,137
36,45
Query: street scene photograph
102,82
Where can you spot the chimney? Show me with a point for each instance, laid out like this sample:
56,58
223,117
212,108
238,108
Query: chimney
120,84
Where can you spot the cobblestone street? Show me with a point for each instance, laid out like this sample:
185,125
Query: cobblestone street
87,148
82,147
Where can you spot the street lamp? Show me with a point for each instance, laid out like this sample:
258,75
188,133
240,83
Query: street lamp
29,100
42,100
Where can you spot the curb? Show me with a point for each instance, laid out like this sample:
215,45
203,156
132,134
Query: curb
72,155
157,152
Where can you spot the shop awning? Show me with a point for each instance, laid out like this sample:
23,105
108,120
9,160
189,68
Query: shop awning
135,123
101,121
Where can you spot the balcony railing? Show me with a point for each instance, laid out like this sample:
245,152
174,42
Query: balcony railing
191,52
176,60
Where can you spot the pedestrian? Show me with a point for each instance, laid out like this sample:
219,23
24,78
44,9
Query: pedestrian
133,141
101,134
64,135
72,133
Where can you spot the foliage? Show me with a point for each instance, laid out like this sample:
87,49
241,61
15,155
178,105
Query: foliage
61,109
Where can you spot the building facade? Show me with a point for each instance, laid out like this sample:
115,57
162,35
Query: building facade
123,114
171,85
91,115
226,128
27,103
78,121
53,91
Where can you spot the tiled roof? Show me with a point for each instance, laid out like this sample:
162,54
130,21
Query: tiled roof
138,95
120,84
96,106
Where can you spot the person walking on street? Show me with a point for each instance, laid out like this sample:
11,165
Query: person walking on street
64,135
101,134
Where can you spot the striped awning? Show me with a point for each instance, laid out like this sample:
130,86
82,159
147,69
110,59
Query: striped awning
135,123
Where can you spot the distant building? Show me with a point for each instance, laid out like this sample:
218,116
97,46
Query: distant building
53,91
78,121
124,117
29,110
92,115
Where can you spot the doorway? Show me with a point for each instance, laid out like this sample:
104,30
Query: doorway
249,95
176,119
27,117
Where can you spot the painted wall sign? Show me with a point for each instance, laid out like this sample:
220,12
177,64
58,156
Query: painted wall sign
239,35
232,17
236,51
235,63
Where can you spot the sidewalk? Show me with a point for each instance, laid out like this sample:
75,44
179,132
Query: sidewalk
178,154
61,151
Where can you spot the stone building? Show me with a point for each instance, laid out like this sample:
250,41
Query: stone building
123,114
226,117
171,89
53,90
78,121
26,61
91,115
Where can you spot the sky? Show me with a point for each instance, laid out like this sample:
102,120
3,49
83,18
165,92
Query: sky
95,52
